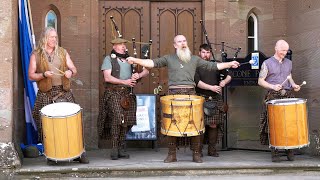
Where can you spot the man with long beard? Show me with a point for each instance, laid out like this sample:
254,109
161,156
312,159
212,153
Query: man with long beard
181,70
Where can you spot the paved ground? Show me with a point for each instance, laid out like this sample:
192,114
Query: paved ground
149,163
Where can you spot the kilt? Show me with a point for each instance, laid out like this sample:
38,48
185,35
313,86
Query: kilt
44,99
112,114
263,126
218,117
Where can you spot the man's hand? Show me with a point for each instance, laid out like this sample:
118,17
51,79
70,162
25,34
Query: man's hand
135,76
234,64
68,74
276,87
130,82
131,60
222,84
296,87
216,89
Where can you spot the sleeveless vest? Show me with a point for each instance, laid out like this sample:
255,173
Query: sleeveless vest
45,84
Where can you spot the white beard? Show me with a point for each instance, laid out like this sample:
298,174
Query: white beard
184,54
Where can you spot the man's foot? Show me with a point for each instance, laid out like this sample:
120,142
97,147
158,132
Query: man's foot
213,152
51,162
197,157
82,159
290,155
275,155
170,158
123,154
114,154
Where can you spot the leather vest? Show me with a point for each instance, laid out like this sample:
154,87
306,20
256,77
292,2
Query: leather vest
45,84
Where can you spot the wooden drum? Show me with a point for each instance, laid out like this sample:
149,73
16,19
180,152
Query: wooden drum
182,115
62,131
288,124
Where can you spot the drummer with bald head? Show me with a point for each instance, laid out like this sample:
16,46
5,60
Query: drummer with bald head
181,67
275,76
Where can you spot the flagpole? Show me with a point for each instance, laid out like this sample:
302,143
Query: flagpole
31,25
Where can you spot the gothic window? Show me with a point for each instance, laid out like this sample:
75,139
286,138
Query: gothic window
252,33
51,19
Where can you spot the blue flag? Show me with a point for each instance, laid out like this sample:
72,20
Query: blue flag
25,40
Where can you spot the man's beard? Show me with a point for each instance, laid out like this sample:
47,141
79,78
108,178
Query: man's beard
184,54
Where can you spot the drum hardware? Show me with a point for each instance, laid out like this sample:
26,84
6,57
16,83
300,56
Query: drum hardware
182,115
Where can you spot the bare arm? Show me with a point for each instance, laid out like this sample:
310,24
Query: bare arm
33,76
72,70
148,63
224,82
209,87
262,79
293,84
111,79
226,65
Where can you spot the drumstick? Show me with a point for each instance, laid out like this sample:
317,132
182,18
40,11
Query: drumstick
250,62
77,81
303,83
288,77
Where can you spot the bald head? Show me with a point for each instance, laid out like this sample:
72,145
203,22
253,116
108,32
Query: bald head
282,44
281,49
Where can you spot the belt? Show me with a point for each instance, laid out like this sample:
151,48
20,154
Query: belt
117,88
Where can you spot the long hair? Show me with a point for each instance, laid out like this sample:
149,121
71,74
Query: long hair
42,44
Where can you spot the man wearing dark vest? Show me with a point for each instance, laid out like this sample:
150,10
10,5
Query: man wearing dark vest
117,111
181,70
210,87
51,67
273,74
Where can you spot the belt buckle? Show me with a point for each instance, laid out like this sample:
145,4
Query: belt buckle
283,92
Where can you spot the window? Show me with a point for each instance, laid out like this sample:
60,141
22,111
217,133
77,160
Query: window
51,19
252,33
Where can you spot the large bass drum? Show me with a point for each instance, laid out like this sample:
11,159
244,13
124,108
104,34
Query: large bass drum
182,115
62,131
288,123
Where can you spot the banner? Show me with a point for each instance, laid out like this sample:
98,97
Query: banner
25,42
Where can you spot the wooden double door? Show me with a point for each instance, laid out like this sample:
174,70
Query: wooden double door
150,20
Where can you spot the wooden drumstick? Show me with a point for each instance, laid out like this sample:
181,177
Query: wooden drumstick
250,62
303,83
288,77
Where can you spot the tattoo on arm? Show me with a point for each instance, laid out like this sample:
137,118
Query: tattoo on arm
264,71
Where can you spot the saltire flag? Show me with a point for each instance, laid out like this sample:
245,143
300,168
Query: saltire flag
30,88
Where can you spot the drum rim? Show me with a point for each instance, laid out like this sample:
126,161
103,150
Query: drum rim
56,104
289,147
277,102
60,117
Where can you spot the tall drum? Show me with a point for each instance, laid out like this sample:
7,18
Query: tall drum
62,131
182,115
288,123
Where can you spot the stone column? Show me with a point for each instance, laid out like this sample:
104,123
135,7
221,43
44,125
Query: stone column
8,59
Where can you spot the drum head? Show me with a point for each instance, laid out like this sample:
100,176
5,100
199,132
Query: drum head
60,109
287,101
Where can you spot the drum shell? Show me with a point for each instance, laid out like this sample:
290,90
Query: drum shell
288,123
62,136
182,115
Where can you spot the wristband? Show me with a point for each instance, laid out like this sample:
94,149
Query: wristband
44,74
71,71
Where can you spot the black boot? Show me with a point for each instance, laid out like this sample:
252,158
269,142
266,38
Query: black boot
172,153
195,142
82,159
275,157
114,155
213,137
290,155
123,154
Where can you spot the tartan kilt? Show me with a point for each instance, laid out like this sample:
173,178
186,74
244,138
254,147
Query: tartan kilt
45,98
263,125
112,114
218,117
